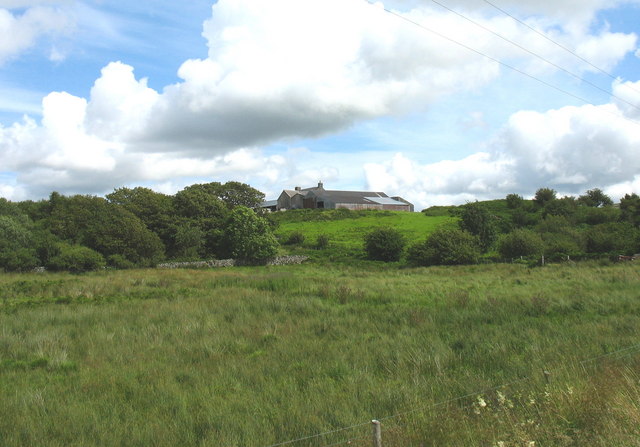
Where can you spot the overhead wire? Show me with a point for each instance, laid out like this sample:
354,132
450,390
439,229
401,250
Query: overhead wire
558,44
498,61
533,53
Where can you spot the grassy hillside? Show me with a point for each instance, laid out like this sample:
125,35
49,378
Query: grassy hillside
346,229
259,356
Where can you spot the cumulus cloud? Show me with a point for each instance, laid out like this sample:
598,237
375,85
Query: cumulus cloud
19,32
280,71
570,149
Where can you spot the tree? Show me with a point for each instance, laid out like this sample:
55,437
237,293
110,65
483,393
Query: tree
154,209
105,227
16,244
565,206
613,238
544,195
514,201
478,221
630,208
446,246
76,259
240,194
595,198
384,244
189,241
248,236
520,242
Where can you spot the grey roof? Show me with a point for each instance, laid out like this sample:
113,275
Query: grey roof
354,197
291,192
269,203
385,201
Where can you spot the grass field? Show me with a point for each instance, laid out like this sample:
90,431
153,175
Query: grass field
346,230
259,356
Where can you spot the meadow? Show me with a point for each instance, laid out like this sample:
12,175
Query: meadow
260,356
346,229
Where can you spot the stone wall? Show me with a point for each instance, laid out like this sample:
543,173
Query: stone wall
280,260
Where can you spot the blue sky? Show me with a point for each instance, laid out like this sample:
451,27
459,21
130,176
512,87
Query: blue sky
95,95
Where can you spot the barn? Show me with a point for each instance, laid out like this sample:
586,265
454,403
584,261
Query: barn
319,198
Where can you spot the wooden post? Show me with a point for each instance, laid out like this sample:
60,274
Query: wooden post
377,434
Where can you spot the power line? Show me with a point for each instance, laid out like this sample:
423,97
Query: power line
557,44
498,61
580,78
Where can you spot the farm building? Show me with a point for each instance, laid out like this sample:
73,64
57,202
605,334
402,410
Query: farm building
318,197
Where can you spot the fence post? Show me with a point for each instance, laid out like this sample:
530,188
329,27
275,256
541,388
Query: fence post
377,434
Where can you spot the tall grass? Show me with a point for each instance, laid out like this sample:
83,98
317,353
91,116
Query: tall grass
257,356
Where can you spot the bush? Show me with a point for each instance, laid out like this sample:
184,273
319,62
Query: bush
20,259
322,242
120,262
520,243
613,238
514,201
295,238
478,221
76,258
384,244
446,246
249,236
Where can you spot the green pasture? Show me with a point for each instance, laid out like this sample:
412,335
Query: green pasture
346,229
444,356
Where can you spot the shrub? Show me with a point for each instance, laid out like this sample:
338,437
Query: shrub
478,221
514,201
20,259
322,241
384,244
119,262
76,258
295,238
615,238
520,243
446,246
249,236
544,196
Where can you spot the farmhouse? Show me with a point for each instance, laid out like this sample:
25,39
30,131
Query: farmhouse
318,197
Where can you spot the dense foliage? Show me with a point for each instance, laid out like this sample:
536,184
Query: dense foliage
138,227
384,244
446,246
130,227
558,228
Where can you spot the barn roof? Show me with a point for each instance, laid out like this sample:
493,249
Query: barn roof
356,197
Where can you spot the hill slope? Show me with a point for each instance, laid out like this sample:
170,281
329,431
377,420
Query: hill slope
346,229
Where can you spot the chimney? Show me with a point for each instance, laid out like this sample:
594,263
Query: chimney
298,188
320,185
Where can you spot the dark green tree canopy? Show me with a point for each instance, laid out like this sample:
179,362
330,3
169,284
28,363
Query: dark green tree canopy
595,198
545,195
630,208
249,237
478,221
521,242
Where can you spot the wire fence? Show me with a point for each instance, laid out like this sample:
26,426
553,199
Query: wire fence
360,434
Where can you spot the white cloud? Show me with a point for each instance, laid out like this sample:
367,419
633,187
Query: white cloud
289,69
571,150
19,32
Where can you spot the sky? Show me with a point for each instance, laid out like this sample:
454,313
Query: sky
439,101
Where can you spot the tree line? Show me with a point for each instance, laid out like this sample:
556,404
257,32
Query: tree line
590,225
134,227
